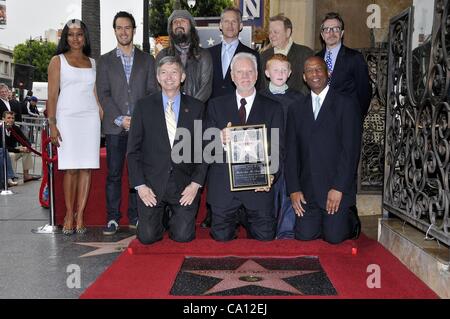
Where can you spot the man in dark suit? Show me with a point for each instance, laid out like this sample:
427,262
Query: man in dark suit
244,107
124,75
348,69
7,104
230,25
162,160
324,137
349,76
280,32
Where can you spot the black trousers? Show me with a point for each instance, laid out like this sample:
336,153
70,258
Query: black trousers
181,224
316,223
260,224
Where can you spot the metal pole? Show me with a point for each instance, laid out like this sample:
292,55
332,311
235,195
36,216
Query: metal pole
146,40
50,228
5,191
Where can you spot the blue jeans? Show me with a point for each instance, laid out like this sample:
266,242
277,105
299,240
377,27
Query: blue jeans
116,150
9,169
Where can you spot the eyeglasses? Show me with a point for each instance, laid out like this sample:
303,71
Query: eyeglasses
331,29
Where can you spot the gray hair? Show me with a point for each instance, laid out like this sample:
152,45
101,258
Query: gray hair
3,85
232,9
170,59
242,56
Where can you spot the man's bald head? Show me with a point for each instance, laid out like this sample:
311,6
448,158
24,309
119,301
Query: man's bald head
316,59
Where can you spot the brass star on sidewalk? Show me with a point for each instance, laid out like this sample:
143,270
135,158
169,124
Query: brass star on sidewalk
107,247
252,273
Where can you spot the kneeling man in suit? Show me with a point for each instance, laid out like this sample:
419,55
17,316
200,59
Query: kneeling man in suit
324,138
244,107
161,157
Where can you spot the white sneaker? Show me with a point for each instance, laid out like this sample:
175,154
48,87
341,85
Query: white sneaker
12,183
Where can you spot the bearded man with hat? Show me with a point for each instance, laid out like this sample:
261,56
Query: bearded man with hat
197,62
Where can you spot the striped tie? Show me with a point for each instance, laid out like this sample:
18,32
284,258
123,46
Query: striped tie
329,62
170,122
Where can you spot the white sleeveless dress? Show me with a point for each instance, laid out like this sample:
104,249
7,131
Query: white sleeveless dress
78,118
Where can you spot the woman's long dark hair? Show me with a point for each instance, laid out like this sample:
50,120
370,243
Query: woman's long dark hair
63,45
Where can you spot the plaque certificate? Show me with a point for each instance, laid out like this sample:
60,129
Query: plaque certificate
247,157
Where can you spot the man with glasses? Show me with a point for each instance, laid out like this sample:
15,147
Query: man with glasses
349,72
348,75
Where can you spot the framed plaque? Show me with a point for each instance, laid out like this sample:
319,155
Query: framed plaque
248,161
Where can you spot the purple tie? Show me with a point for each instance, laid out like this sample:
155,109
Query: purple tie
242,113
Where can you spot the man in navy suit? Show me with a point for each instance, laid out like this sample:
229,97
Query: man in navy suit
348,74
348,70
244,107
230,25
324,137
163,164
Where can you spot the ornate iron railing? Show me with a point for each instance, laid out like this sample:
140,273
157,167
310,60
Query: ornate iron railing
371,165
417,161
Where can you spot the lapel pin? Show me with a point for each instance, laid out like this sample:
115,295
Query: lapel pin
186,110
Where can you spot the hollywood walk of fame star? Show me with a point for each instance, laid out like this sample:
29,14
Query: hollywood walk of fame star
107,247
272,279
248,151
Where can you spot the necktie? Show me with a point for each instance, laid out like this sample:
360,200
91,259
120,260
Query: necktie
329,62
170,122
316,106
226,58
242,113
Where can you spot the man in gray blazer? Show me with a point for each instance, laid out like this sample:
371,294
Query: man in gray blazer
124,75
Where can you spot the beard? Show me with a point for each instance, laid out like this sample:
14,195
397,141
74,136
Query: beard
179,36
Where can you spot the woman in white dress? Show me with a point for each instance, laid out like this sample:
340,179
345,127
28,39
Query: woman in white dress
74,115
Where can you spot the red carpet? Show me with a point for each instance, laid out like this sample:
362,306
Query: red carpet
149,271
95,213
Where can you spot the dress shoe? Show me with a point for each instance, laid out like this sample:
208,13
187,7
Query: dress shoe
206,223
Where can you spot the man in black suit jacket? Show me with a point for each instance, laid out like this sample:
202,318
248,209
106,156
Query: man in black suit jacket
230,25
9,105
245,106
349,76
324,137
349,71
162,164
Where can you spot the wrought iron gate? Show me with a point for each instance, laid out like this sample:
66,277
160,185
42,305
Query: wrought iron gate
417,160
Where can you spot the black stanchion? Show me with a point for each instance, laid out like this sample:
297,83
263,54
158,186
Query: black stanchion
51,227
5,190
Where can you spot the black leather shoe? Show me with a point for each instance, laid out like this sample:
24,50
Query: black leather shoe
206,223
356,222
